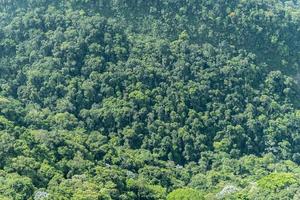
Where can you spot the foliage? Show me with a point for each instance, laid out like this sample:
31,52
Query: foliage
276,181
149,100
185,194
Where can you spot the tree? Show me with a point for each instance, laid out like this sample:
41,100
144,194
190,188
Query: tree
185,193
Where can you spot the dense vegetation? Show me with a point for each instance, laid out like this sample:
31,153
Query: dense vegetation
149,100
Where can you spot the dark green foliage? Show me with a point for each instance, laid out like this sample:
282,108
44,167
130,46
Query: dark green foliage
149,100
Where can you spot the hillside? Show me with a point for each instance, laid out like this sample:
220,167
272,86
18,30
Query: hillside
149,100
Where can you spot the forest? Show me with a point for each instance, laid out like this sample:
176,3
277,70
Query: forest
149,100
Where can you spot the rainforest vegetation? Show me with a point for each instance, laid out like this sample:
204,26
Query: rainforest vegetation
149,99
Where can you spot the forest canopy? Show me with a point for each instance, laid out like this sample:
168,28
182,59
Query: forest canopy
149,100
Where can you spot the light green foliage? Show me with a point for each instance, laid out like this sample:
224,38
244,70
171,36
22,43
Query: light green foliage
14,186
185,194
277,181
5,123
146,100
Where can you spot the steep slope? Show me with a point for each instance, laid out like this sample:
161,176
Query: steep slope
149,99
